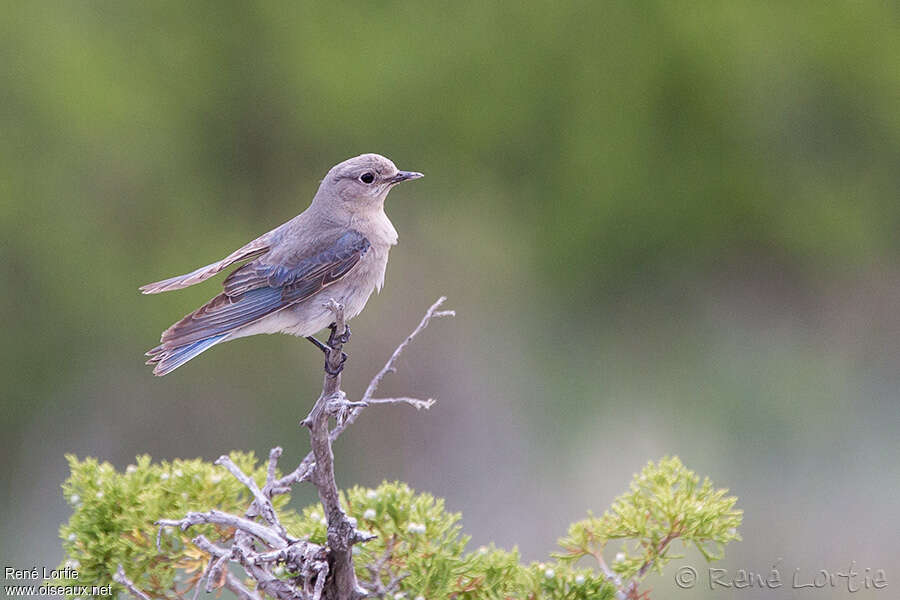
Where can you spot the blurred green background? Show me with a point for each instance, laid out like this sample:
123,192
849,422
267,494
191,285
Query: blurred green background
667,227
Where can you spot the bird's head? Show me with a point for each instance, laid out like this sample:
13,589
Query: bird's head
363,181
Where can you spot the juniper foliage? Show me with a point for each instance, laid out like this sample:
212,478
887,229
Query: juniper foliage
419,552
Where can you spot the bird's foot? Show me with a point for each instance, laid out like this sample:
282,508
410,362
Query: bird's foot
335,338
340,366
327,349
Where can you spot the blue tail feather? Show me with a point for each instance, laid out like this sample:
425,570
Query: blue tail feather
167,361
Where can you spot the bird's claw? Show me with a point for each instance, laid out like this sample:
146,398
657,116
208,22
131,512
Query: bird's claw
335,338
340,367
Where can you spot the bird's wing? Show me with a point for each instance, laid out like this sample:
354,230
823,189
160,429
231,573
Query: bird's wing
258,289
254,249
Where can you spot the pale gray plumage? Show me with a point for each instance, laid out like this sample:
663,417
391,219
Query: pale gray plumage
337,248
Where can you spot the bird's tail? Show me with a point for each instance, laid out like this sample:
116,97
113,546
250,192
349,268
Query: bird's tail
169,359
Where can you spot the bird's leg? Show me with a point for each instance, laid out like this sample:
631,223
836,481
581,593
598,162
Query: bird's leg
325,349
334,337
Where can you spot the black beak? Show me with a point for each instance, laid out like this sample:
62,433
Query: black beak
405,176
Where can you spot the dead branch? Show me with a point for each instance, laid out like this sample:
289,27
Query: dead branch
261,543
120,577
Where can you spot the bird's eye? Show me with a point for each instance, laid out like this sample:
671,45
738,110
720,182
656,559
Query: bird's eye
367,177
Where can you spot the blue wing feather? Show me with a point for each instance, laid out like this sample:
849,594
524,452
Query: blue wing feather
258,289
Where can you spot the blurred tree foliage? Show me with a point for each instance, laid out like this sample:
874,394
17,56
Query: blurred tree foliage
596,142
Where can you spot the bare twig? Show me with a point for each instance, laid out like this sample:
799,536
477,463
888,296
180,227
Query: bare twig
262,504
213,572
207,546
610,575
120,577
274,455
414,402
245,553
389,367
631,589
380,567
239,589
218,517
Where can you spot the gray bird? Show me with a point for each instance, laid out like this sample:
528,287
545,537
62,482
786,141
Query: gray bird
336,248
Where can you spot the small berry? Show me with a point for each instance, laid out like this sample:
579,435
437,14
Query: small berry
415,528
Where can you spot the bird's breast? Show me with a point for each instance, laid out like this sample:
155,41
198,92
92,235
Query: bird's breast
376,226
373,265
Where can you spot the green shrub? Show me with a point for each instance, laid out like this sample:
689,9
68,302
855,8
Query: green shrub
419,551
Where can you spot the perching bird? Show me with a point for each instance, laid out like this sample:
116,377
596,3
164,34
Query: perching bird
337,248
